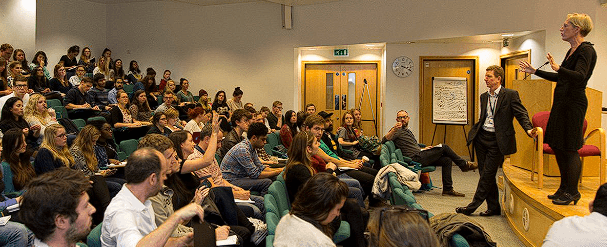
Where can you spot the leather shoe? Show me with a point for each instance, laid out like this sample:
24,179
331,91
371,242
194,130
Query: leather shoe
556,195
567,198
453,193
465,210
490,212
469,166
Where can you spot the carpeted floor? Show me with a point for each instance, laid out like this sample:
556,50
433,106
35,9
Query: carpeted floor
434,202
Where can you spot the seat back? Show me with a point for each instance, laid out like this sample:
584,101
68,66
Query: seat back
391,146
53,102
279,191
128,146
128,88
61,111
80,123
96,119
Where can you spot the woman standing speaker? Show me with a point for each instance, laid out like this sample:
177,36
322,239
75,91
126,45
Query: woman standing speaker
564,131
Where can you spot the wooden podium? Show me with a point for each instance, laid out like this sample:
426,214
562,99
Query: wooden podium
536,96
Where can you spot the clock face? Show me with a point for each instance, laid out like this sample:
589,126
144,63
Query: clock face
402,66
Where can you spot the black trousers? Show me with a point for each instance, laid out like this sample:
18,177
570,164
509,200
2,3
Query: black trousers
489,160
441,156
358,218
570,167
366,177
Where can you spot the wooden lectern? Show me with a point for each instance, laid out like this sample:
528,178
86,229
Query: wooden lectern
536,96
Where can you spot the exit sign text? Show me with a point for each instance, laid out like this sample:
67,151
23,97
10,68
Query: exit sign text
340,52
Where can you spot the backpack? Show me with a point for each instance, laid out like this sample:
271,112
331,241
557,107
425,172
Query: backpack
69,125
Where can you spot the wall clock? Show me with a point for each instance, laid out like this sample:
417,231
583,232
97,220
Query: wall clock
402,66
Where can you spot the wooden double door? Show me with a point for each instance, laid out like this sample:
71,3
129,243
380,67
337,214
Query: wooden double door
337,88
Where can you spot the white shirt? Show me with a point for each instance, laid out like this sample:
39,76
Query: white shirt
192,126
3,99
126,220
590,230
293,231
75,80
491,108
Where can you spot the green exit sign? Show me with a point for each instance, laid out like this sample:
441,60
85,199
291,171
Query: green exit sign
340,52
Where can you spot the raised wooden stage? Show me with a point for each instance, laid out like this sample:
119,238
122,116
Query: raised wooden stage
528,210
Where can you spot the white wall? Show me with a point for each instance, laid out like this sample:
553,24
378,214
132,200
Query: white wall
220,47
403,93
61,24
18,25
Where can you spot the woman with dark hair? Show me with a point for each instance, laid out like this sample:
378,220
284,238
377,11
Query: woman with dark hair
40,84
140,108
236,102
105,148
300,169
118,70
204,100
134,74
348,138
69,61
184,96
159,125
166,76
398,226
86,60
19,56
149,86
126,127
315,207
107,54
12,117
16,167
14,70
289,129
221,107
59,82
40,60
198,118
4,88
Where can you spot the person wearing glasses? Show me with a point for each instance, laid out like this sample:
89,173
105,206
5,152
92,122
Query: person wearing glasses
159,125
20,91
399,226
439,155
316,206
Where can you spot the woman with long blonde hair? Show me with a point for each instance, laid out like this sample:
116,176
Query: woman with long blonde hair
85,160
36,112
103,67
53,152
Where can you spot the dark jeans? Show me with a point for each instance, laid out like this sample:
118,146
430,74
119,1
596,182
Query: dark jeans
489,160
260,185
441,156
570,167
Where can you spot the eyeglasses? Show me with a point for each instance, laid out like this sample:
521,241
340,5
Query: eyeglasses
62,135
399,209
405,117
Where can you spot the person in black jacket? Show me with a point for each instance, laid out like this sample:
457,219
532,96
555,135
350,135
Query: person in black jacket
12,117
493,137
564,131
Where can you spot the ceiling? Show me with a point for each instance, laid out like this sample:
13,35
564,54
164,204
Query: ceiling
221,2
476,39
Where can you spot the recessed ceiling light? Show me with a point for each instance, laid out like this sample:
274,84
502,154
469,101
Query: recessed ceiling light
507,35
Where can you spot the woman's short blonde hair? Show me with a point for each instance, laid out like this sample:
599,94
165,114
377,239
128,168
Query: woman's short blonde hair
582,21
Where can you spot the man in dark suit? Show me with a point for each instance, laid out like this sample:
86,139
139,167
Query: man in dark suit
493,137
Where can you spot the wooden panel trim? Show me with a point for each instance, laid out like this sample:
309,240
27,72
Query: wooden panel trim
422,59
516,53
380,108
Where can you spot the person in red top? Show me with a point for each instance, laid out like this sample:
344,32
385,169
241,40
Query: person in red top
289,129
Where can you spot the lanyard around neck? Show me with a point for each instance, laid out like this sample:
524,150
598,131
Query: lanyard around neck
492,106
